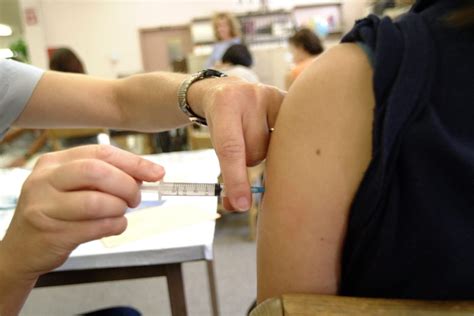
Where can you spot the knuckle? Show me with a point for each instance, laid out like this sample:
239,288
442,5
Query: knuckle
141,164
35,216
37,179
93,169
120,225
230,149
90,204
135,194
45,159
30,183
114,226
119,209
104,152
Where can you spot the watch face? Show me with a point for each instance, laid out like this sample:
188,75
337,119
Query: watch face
212,73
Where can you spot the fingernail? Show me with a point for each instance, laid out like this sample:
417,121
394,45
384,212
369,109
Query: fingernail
243,204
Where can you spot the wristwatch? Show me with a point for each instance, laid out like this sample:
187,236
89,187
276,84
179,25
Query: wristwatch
183,92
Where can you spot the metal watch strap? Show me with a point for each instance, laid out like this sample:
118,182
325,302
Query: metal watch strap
183,92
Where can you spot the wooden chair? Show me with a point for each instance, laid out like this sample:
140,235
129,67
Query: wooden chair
314,305
56,136
198,138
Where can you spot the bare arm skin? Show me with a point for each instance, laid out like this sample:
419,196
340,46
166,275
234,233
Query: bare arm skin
81,194
239,114
318,154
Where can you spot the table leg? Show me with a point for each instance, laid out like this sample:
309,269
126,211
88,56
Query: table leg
174,278
212,287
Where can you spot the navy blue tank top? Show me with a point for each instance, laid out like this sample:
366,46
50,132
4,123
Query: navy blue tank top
411,227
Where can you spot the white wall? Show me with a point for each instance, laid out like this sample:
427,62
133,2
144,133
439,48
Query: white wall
9,14
35,34
105,32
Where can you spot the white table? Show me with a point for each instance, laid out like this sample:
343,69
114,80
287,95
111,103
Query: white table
159,255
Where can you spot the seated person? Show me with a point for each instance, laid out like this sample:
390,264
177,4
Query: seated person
369,188
237,61
304,46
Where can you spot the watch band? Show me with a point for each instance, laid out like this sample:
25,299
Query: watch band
183,92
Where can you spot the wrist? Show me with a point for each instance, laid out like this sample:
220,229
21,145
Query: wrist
14,287
197,94
197,112
9,267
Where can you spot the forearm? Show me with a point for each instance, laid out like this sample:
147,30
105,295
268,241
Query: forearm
149,102
146,102
13,288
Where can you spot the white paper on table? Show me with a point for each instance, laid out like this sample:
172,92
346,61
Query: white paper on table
157,220
194,166
11,181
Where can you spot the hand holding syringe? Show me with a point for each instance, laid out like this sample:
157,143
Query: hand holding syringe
189,189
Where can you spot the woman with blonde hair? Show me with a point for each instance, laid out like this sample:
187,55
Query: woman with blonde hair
227,32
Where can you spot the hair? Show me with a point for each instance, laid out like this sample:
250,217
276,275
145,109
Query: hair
234,25
463,17
307,40
238,54
65,60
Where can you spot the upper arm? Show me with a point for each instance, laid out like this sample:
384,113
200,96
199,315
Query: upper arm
318,154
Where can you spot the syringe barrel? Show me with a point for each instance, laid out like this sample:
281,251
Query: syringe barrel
183,189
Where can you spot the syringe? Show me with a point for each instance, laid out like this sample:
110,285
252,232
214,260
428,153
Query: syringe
189,189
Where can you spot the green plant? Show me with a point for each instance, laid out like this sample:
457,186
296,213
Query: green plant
20,49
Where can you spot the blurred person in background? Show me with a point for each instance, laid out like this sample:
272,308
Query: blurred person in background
227,31
237,61
304,46
65,60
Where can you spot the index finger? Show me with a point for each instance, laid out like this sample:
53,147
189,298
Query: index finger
228,141
132,164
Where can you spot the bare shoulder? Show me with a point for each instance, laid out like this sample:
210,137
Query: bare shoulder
337,69
318,154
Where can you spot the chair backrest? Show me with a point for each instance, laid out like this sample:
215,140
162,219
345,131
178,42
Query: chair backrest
305,305
198,139
56,135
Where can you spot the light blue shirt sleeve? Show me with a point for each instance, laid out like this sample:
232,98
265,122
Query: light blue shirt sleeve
17,82
218,50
